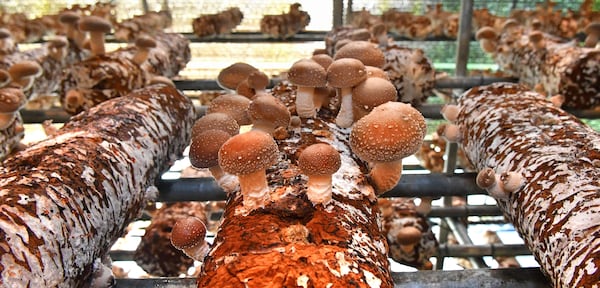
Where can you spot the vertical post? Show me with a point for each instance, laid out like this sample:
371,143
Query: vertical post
338,13
145,6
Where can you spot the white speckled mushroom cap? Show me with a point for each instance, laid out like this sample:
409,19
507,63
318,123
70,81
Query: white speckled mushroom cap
204,150
234,105
217,120
319,159
391,131
307,72
365,51
248,152
188,232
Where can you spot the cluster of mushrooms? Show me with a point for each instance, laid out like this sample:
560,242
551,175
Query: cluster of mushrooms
381,130
220,23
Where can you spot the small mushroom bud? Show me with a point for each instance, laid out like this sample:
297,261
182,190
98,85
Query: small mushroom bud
408,237
233,105
97,27
70,20
450,112
57,48
499,185
557,100
4,78
306,74
319,162
424,206
248,155
536,38
7,44
204,153
450,132
323,59
487,39
344,74
592,32
216,120
258,81
188,236
371,93
389,133
268,113
143,45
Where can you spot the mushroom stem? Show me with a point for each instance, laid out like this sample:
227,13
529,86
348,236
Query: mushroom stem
255,189
97,43
141,56
264,125
385,175
73,100
305,107
424,206
345,116
216,172
319,189
6,119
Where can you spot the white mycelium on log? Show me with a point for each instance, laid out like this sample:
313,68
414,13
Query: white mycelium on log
66,199
555,158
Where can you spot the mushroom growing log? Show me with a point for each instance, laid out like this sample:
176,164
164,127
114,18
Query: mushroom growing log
65,200
291,241
544,162
549,64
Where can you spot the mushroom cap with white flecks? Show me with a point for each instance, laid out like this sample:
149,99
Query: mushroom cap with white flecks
319,159
231,76
204,150
391,131
188,232
234,105
217,120
365,51
265,107
248,152
307,72
346,72
11,99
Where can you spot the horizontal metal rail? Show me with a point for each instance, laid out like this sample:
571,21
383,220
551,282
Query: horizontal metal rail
410,185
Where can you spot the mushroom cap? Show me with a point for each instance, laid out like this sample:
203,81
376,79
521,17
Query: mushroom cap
204,149
161,80
323,59
379,29
248,152
69,17
592,28
231,76
4,77
5,33
268,108
58,42
145,42
511,23
373,92
536,36
346,72
408,235
94,24
319,159
188,232
376,72
391,131
486,178
11,99
217,120
234,105
307,72
486,33
365,51
258,80
360,34
24,69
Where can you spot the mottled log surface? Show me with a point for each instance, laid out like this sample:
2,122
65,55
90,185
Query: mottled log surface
114,74
49,82
291,242
11,137
508,128
66,199
559,67
155,254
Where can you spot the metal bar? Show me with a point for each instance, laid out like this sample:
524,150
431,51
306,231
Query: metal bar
464,37
410,185
485,278
470,81
462,236
465,211
338,13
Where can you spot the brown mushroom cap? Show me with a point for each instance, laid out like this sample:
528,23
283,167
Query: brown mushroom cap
486,33
69,17
5,33
161,80
486,178
220,121
248,152
365,51
389,133
346,72
231,76
323,59
592,28
11,99
306,72
536,36
373,92
258,80
409,235
24,69
188,232
269,109
234,105
511,23
319,159
58,42
4,77
204,150
94,24
376,72
145,42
